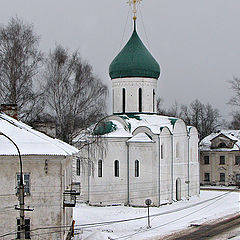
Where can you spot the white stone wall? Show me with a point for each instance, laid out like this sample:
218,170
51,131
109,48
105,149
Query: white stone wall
132,86
47,183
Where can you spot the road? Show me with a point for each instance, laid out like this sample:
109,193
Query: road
229,227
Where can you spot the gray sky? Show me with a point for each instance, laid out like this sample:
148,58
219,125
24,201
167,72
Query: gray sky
196,42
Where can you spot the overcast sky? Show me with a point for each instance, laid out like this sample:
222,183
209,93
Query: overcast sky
196,42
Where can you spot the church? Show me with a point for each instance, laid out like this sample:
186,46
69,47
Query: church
146,155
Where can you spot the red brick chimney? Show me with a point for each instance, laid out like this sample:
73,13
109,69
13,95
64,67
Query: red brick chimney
10,109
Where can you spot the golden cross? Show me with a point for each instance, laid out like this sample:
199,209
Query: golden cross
134,3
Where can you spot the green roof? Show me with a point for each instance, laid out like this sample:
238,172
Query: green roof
134,60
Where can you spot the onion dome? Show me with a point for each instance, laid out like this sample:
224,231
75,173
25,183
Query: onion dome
134,60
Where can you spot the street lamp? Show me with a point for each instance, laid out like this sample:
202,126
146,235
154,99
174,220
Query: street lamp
21,191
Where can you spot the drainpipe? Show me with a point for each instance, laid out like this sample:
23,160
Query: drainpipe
188,166
159,170
128,176
172,168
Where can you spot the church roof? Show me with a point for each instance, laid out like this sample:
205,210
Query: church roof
134,60
28,140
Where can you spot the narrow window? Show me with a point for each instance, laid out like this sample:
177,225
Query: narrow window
124,100
26,182
153,100
116,168
100,168
222,177
140,99
136,168
78,167
207,177
206,160
237,160
222,160
162,151
27,228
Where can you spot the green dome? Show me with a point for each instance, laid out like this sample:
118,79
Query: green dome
134,60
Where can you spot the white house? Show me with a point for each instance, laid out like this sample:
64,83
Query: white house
145,155
220,158
47,174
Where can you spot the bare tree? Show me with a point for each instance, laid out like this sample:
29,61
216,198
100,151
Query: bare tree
74,95
19,64
235,123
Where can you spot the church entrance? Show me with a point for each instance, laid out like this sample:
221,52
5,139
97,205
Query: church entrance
178,189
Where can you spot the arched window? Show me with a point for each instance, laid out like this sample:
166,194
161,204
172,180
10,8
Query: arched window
140,99
100,168
162,151
78,167
123,100
116,168
153,100
136,168
222,145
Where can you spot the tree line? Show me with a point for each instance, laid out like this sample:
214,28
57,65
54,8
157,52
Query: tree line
61,87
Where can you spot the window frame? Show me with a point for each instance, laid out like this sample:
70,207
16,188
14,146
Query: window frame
140,100
27,228
220,177
208,178
222,160
162,151
206,160
237,162
78,167
26,183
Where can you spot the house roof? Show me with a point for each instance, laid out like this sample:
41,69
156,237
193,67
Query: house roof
28,140
234,135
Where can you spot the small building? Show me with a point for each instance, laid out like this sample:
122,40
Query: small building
47,176
220,158
146,155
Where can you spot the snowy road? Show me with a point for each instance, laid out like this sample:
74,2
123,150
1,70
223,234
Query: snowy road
130,223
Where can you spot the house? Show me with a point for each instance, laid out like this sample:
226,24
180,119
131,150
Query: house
47,176
144,155
220,158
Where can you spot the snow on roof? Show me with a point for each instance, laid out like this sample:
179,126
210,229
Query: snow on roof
29,141
234,135
152,121
141,137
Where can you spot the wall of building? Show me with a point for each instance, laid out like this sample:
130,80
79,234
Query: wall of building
132,86
49,177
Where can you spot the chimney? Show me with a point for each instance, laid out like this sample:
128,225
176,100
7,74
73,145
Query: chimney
10,109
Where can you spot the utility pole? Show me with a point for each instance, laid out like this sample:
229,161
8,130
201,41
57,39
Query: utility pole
21,192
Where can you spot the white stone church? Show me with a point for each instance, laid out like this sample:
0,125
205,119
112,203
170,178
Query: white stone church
146,156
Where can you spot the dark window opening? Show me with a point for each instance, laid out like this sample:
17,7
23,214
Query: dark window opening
206,160
26,182
222,177
140,99
136,168
162,151
124,100
206,177
153,100
222,145
116,168
100,168
78,170
222,160
26,226
237,160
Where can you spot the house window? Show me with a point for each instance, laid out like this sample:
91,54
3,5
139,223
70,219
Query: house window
27,228
26,182
206,160
222,145
78,167
207,177
222,177
116,168
140,99
162,151
222,160
100,168
237,178
136,168
123,100
237,160
153,100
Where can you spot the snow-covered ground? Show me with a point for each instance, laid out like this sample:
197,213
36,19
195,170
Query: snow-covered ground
165,220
